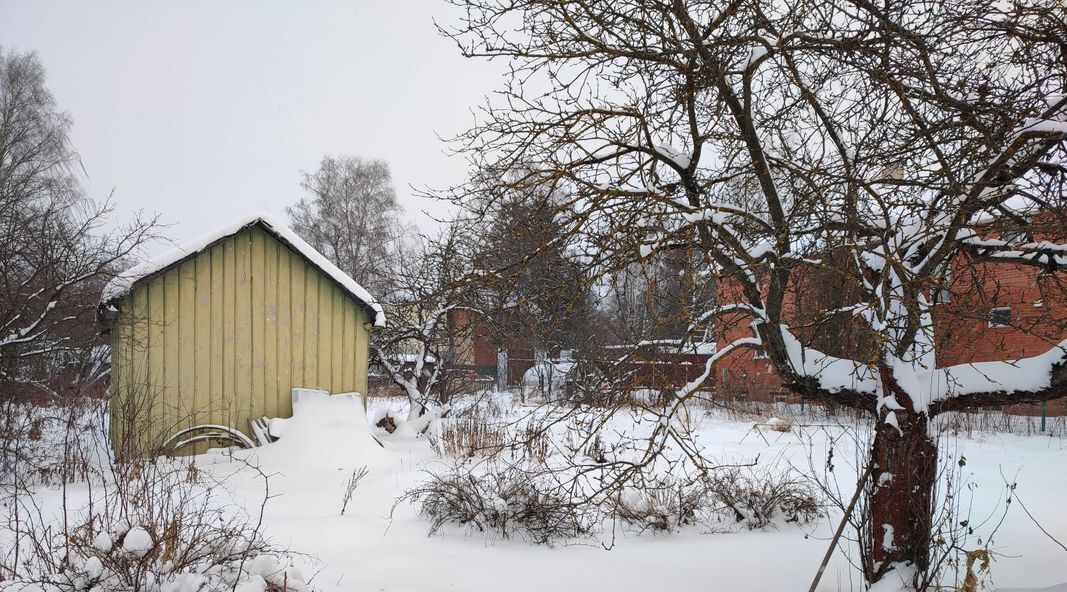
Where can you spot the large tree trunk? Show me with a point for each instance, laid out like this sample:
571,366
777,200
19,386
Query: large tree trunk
901,501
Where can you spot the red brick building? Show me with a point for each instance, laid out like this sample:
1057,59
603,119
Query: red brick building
650,365
476,347
991,312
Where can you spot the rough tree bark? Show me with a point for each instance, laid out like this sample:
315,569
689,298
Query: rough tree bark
901,499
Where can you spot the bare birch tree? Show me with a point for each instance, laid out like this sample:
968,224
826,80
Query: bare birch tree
352,217
56,251
866,145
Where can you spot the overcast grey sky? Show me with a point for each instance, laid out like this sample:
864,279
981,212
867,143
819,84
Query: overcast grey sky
203,111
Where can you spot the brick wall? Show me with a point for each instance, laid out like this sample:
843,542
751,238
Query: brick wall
963,332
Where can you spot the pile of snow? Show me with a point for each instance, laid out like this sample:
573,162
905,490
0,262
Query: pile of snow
137,542
325,431
264,571
547,375
779,425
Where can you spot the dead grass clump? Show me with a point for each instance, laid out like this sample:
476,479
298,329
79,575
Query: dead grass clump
469,436
744,496
534,443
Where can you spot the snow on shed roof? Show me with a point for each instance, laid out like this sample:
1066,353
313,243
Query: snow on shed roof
121,284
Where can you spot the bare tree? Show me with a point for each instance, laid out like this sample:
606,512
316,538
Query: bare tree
55,250
870,146
659,298
417,344
352,217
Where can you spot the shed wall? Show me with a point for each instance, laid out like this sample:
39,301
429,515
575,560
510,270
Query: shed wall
225,335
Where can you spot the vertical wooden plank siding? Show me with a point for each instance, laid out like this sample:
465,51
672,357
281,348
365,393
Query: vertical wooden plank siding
226,335
229,328
269,287
186,369
298,313
325,335
258,317
217,339
173,407
285,333
348,343
311,329
243,329
203,341
363,325
157,375
337,323
132,393
118,372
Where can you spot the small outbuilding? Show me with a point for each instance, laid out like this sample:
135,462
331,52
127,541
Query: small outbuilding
221,330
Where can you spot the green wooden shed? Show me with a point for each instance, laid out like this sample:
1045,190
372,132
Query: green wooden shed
219,331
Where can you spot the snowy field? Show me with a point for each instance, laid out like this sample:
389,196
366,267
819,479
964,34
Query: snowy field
376,546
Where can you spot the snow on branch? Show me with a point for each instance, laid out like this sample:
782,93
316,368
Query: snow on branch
833,374
1012,381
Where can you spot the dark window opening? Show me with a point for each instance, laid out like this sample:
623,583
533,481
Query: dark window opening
1016,237
1000,316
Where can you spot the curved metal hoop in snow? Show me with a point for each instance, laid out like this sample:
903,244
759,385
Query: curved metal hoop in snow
207,433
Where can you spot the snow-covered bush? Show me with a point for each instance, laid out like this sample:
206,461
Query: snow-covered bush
747,495
756,499
155,529
663,503
500,499
51,444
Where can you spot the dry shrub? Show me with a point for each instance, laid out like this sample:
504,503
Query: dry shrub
358,474
595,450
662,504
535,443
51,444
667,503
151,531
756,499
501,500
482,430
475,428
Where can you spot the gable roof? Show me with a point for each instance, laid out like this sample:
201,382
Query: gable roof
123,283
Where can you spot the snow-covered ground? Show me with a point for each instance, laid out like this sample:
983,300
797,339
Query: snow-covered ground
376,546
373,547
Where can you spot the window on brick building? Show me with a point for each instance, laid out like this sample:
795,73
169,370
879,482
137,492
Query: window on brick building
941,294
760,352
1016,237
1000,316
703,335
